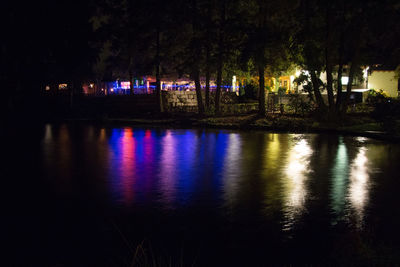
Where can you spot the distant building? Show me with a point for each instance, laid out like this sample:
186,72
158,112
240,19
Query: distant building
384,78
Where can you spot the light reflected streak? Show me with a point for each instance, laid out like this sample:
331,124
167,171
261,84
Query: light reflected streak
123,165
295,191
48,134
340,174
272,161
359,185
168,170
231,169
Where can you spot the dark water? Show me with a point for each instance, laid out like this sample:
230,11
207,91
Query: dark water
86,195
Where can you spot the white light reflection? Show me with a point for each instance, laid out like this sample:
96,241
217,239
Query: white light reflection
232,169
296,172
361,139
339,182
359,185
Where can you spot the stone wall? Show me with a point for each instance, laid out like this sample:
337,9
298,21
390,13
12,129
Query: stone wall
187,100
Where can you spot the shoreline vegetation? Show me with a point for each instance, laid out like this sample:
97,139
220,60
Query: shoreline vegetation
377,118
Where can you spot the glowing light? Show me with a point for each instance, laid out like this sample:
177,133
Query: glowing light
62,86
234,83
365,72
125,85
112,90
345,80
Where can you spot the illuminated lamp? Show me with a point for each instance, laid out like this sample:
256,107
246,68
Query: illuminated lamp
345,80
234,83
365,72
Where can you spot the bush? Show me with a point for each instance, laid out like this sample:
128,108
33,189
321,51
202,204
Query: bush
377,96
298,105
360,108
250,91
281,91
386,110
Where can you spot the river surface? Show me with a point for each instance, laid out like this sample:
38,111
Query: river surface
91,195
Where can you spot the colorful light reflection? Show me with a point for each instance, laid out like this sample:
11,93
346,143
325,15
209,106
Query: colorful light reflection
123,164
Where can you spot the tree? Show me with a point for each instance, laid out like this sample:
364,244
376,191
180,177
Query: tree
331,35
266,42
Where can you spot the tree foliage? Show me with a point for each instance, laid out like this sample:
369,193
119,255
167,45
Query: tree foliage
206,40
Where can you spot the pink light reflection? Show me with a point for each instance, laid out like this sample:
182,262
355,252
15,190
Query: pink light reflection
168,169
128,178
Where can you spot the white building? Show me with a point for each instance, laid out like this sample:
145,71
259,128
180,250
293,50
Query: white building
385,80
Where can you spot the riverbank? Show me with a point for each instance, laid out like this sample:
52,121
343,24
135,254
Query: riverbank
356,125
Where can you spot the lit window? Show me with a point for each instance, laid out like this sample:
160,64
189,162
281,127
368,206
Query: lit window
125,85
47,88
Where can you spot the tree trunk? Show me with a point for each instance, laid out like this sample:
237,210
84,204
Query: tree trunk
208,48
158,78
349,85
317,92
220,57
261,96
353,68
198,92
339,86
340,69
329,85
131,80
219,82
328,62
207,76
196,57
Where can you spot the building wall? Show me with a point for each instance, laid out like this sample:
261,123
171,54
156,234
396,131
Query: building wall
384,80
